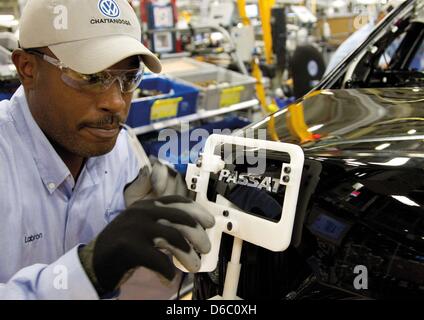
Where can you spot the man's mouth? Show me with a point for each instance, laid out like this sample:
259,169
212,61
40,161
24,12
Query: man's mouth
105,128
103,132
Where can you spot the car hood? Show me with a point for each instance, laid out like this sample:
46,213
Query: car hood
374,125
369,144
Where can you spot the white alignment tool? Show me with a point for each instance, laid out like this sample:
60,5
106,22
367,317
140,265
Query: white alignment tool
274,236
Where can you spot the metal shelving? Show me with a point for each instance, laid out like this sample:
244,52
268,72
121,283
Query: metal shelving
201,114
9,7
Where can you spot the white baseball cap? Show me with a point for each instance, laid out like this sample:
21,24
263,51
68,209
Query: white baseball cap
87,36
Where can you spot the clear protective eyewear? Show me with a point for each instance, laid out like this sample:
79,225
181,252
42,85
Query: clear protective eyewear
99,82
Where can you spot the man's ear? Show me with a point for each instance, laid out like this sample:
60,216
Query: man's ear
26,65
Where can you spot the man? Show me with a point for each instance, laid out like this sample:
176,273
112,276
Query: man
67,231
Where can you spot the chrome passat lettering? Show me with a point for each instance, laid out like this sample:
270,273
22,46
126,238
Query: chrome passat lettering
33,237
268,183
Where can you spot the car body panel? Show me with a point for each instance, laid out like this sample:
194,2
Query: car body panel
365,214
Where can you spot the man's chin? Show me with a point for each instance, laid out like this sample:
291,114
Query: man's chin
90,146
90,149
98,150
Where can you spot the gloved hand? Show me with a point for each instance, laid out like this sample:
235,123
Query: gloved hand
134,238
162,181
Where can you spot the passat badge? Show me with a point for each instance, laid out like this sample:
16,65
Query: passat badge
109,8
268,183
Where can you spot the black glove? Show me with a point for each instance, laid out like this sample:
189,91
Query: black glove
134,238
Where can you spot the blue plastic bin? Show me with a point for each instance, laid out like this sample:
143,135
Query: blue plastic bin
5,96
8,89
141,109
283,103
180,160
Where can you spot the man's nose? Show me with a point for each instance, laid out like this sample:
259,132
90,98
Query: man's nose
112,100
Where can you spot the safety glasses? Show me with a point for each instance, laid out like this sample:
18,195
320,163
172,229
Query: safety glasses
129,80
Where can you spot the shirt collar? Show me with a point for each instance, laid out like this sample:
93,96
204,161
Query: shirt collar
53,171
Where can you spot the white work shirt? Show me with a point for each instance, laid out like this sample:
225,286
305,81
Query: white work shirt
44,214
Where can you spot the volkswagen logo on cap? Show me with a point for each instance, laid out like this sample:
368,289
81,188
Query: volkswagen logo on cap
109,8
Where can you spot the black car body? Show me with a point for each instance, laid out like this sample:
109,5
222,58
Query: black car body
360,212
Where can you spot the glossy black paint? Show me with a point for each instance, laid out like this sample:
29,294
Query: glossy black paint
361,205
366,209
